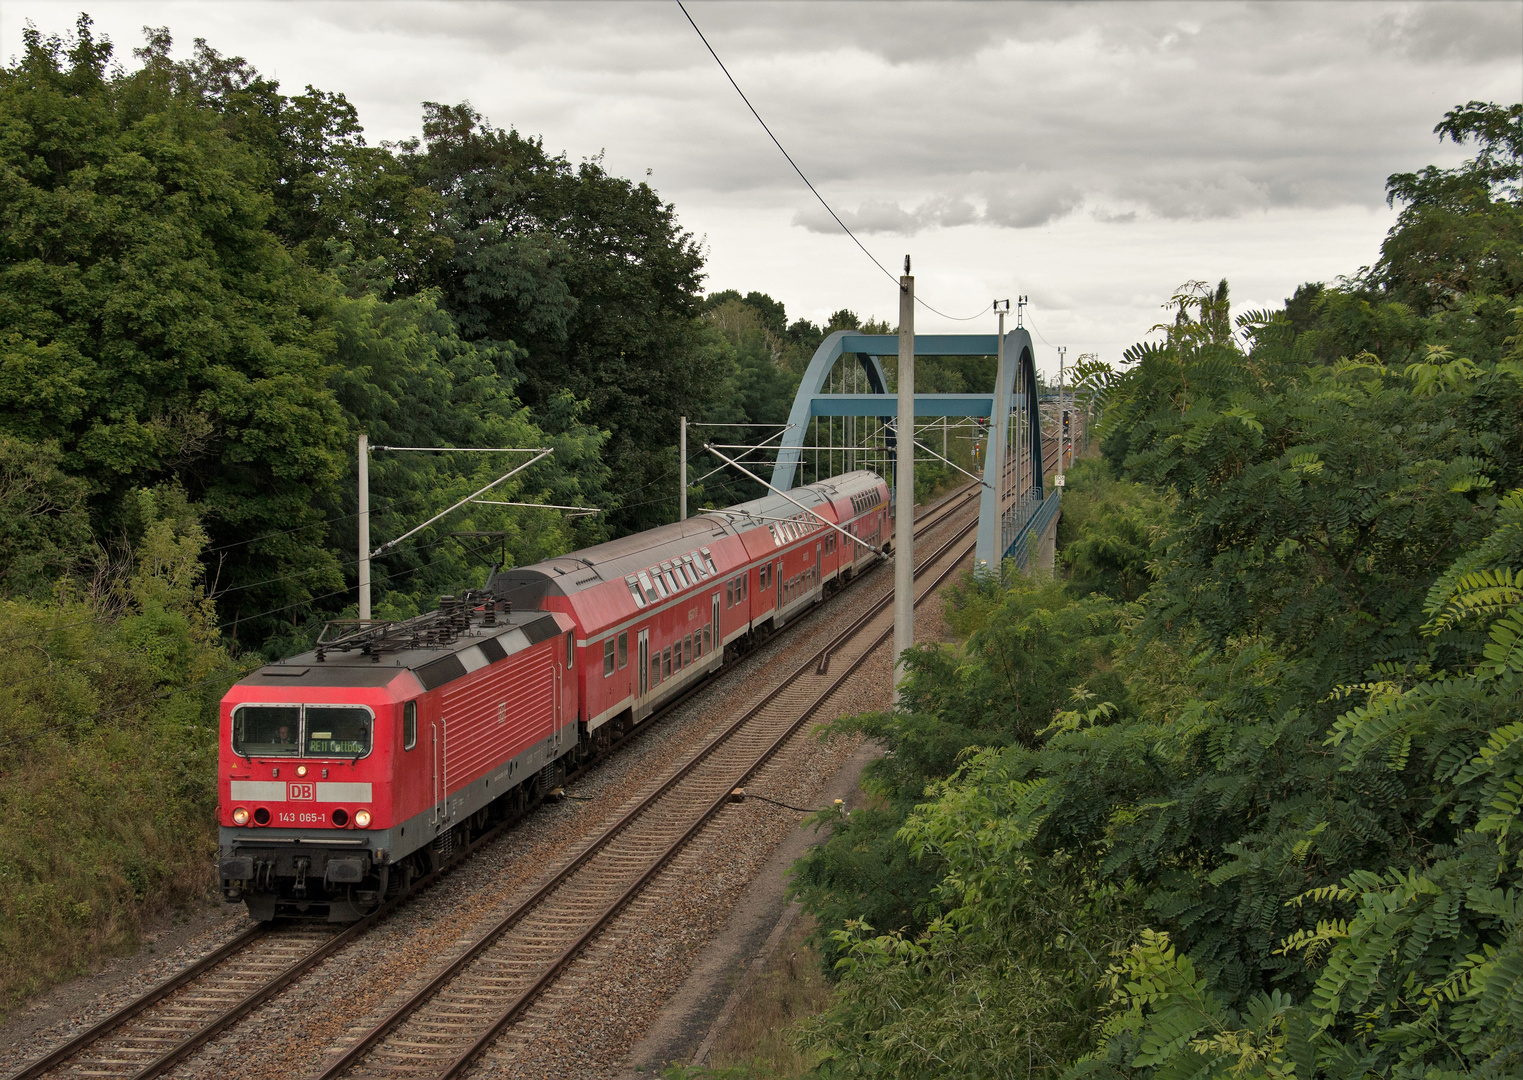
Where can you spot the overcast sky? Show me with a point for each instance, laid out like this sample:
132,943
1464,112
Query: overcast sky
1092,156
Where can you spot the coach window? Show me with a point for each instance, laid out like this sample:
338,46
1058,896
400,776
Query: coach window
655,668
409,725
623,650
570,654
687,649
650,592
666,662
729,593
608,648
634,590
660,585
338,731
266,730
708,558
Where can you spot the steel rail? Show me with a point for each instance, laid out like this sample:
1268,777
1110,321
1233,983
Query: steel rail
528,996
110,1023
231,950
930,517
426,993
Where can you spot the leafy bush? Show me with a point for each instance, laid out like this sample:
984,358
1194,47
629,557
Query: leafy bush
1277,811
108,759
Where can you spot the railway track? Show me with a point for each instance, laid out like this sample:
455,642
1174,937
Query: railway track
442,1027
151,1034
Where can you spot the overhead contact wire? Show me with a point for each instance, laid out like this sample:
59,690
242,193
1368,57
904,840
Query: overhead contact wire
783,150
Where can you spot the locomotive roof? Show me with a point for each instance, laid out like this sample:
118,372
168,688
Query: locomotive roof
566,574
433,665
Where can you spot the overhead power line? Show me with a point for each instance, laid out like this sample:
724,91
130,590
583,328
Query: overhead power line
844,228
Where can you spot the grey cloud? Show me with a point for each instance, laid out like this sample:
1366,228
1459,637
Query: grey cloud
917,116
1416,30
1033,203
1030,205
880,216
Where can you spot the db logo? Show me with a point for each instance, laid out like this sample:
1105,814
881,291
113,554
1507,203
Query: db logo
301,792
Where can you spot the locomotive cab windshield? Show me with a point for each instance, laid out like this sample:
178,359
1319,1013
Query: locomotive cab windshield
267,730
339,731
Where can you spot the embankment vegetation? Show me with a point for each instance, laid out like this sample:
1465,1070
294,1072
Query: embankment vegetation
209,287
1238,795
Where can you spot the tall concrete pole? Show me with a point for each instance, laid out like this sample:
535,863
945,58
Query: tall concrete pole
364,527
904,482
1062,352
682,470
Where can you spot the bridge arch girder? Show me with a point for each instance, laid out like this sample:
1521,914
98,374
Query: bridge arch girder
1013,500
791,450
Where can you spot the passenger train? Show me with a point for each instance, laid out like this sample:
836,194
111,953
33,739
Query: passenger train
349,770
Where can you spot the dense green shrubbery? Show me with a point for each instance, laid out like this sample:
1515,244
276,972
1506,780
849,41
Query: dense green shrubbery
108,757
1248,807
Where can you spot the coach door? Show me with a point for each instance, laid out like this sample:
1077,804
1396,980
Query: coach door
559,674
644,662
436,757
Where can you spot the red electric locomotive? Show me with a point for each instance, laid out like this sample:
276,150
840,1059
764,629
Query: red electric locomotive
348,770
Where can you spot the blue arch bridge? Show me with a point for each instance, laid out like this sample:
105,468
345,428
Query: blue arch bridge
844,400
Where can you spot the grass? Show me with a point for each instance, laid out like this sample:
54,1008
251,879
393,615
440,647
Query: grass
754,1045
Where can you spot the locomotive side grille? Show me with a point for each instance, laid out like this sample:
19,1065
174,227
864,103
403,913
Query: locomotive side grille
476,738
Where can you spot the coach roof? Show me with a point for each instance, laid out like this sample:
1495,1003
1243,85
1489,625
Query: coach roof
526,586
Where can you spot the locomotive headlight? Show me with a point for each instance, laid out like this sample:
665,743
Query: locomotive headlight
362,819
241,816
301,770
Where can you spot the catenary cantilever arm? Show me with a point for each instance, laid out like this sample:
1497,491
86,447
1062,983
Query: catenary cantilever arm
393,543
861,543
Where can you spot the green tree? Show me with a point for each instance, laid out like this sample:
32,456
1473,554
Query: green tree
151,326
1298,781
589,274
1460,232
